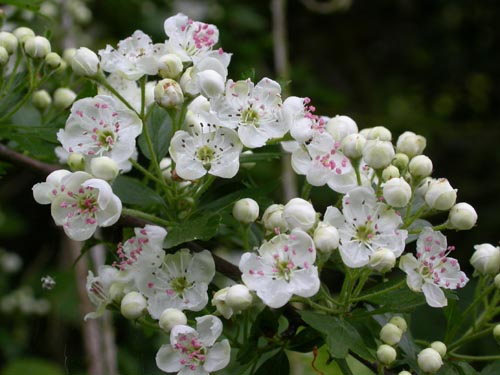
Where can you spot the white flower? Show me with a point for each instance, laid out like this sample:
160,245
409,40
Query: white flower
181,282
85,62
99,126
83,204
302,122
135,57
440,195
299,213
284,266
207,75
45,192
255,110
214,152
432,269
195,351
365,226
486,259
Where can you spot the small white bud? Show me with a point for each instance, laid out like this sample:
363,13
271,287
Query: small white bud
391,334
299,213
53,60
22,33
440,195
166,169
170,66
170,318
188,84
378,154
378,132
326,237
104,167
429,360
211,83
382,260
238,297
423,186
4,57
404,372
420,166
400,322
219,301
496,333
390,172
133,305
386,354
68,55
247,165
85,62
341,126
486,259
273,218
410,144
397,192
400,161
352,145
168,93
496,280
64,97
462,216
439,347
246,210
37,47
76,161
8,41
41,99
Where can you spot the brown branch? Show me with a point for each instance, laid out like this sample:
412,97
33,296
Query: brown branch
25,161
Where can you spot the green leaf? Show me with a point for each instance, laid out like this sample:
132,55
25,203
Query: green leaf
201,228
133,191
305,341
465,369
159,126
492,369
32,366
276,365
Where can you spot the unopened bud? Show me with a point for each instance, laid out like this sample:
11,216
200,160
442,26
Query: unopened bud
170,66
68,55
85,62
486,259
238,297
496,280
188,84
22,33
4,57
382,260
168,93
211,83
37,47
420,166
390,172
410,144
496,333
341,126
391,334
53,60
219,301
439,347
378,154
429,360
440,195
404,372
400,161
133,305
246,210
116,291
8,41
378,132
104,167
170,318
76,161
352,145
326,237
41,100
273,218
397,192
400,322
386,354
64,97
166,169
462,216
299,213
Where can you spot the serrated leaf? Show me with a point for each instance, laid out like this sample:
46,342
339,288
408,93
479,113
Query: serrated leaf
276,365
133,191
201,228
159,126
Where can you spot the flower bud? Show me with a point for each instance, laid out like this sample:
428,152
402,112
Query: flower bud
104,167
246,210
400,161
496,280
168,93
496,333
429,360
423,186
85,62
420,166
400,322
68,55
211,83
440,195
219,301
133,305
170,66
273,218
378,132
76,161
352,145
378,154
397,192
41,99
166,169
462,216
37,47
439,347
341,126
53,60
486,259
116,291
188,84
238,297
247,165
22,33
390,172
391,334
64,97
4,57
8,41
410,144
382,260
404,372
170,318
386,354
326,237
299,213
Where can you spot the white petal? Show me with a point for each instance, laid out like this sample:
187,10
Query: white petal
209,328
218,356
434,296
168,360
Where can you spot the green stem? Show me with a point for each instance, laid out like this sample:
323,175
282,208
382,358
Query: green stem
146,173
143,215
409,220
204,185
370,295
473,358
18,106
100,79
13,73
306,190
365,274
469,337
355,163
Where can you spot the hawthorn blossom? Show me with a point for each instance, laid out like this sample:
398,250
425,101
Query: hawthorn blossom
195,351
432,270
45,192
82,203
254,110
284,266
214,150
181,282
302,121
101,126
365,225
135,56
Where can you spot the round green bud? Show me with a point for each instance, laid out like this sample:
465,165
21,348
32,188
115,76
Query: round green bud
397,192
133,305
440,347
246,210
22,33
64,97
390,172
104,167
497,281
4,57
462,216
429,360
391,334
420,166
400,322
37,47
352,145
170,66
410,144
85,62
76,161
382,260
41,100
378,154
440,195
496,333
8,41
238,297
386,354
400,161
170,318
377,132
53,60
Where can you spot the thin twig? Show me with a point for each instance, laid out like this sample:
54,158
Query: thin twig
25,161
